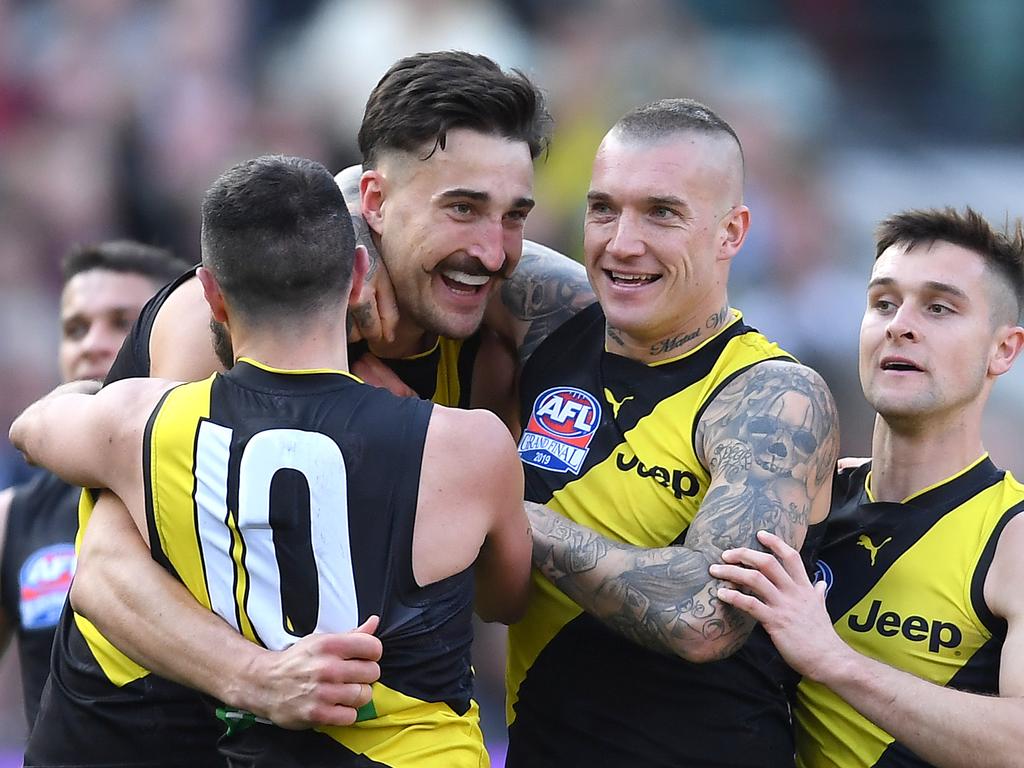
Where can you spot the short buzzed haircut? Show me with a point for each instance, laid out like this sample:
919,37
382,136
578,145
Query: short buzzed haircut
422,97
278,238
666,117
126,257
1003,251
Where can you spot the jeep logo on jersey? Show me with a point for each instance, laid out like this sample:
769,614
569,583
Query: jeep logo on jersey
917,629
562,424
43,584
682,482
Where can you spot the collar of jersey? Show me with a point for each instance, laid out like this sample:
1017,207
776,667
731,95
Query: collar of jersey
418,355
736,317
933,486
272,369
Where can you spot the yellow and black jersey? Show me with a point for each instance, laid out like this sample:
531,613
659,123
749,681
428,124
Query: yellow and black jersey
609,442
285,502
905,586
443,374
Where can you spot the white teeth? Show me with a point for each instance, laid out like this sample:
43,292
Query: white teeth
632,278
464,277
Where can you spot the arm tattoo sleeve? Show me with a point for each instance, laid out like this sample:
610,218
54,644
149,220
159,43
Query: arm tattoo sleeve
545,290
770,440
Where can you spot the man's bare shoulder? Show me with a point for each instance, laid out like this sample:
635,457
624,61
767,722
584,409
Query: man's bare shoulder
181,344
1002,591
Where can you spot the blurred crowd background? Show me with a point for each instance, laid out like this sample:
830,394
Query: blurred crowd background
115,115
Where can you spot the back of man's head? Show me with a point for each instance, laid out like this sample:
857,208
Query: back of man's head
424,96
125,257
1002,251
278,238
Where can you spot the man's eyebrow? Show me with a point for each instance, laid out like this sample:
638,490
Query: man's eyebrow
461,193
934,286
669,201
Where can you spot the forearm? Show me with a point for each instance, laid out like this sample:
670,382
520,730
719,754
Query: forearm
154,620
30,432
663,599
944,726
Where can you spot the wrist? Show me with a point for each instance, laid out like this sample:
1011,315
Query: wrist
242,685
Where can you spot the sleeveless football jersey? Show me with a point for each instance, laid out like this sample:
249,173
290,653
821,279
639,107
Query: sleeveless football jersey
906,587
285,502
609,442
38,562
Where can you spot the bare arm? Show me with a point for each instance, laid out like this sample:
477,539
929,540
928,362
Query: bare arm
945,727
469,511
546,289
181,343
665,599
153,619
6,630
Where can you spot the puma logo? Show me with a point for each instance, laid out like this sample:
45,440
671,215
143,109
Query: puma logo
615,404
866,542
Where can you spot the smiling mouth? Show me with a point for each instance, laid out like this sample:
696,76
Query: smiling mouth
769,465
464,282
627,279
900,365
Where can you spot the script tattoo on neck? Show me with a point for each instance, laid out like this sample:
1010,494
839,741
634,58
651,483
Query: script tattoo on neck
713,322
546,289
614,335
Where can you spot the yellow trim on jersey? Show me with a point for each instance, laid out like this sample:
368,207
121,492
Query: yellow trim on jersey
410,732
118,668
736,317
648,509
933,486
427,353
171,483
449,389
272,369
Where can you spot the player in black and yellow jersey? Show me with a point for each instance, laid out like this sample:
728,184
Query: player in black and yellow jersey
472,193
658,430
287,495
105,286
912,642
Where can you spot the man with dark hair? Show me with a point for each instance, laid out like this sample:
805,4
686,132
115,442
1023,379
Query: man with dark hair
469,191
911,642
659,429
286,495
105,286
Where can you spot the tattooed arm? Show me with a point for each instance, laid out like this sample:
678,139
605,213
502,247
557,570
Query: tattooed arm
546,289
770,441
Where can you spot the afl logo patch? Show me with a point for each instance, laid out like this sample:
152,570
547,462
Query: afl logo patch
823,573
562,424
43,584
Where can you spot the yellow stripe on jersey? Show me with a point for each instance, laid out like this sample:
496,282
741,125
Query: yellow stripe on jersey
647,504
918,617
241,580
117,667
408,733
171,483
449,388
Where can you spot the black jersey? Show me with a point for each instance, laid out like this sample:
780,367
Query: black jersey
906,586
38,561
285,502
609,442
100,708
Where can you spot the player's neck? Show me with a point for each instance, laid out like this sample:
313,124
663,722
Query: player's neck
410,339
692,331
905,461
311,348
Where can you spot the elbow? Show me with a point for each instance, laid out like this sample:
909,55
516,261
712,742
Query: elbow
18,435
707,650
506,610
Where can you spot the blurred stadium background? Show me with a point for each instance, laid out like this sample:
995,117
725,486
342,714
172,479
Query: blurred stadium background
115,115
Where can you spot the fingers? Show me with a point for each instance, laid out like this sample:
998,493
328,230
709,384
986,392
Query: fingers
750,579
349,645
746,603
851,462
369,626
762,562
788,556
387,307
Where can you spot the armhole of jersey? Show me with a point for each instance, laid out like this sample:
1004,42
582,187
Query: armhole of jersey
993,623
412,448
715,392
155,547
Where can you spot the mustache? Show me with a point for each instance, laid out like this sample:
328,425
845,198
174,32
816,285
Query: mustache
475,267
